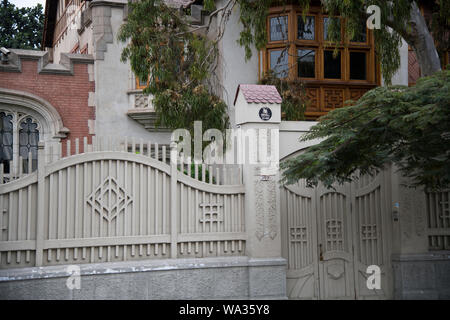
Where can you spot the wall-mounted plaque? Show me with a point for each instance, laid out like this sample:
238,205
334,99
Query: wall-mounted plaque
265,113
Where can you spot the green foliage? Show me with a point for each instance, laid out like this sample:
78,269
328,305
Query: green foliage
199,173
408,126
179,64
441,25
182,109
253,15
20,28
293,93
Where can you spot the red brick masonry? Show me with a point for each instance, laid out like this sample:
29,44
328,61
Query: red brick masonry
67,90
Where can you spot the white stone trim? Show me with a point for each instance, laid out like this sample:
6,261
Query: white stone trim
50,121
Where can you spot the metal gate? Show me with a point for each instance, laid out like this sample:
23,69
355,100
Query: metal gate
331,236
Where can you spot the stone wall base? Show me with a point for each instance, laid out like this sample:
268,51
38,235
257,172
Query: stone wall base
422,276
206,278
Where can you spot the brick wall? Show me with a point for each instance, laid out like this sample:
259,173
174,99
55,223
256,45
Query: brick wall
67,93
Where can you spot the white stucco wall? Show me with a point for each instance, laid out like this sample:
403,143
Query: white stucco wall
290,134
113,81
234,70
401,76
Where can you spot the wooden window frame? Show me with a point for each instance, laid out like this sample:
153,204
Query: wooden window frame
76,48
320,45
305,41
138,83
84,50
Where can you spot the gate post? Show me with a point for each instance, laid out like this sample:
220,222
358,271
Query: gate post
40,219
173,202
258,116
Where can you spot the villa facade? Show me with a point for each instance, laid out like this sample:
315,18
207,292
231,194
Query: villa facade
265,240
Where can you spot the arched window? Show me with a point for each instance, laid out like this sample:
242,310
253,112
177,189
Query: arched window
19,137
28,142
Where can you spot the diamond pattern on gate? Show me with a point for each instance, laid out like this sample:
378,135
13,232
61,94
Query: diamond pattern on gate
109,199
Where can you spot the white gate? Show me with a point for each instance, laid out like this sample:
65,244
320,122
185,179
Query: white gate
331,236
118,201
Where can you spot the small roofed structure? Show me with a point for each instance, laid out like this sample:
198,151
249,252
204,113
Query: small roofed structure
257,104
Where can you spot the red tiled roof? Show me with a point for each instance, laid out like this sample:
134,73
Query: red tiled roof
256,93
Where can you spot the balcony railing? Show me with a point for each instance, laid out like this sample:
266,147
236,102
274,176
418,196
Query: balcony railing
67,17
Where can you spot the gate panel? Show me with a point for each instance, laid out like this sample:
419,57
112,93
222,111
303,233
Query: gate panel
110,200
210,223
330,237
17,220
370,208
299,241
116,203
335,244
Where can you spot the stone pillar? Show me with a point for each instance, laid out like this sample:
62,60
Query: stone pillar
258,116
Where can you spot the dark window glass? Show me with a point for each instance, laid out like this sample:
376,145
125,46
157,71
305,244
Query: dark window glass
279,62
326,22
332,66
278,28
306,30
306,63
28,142
357,65
6,141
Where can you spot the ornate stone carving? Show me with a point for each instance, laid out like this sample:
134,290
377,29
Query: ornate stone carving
266,213
420,218
406,213
109,199
140,101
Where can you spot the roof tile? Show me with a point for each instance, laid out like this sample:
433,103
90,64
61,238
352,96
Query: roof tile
255,93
